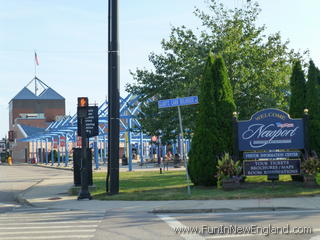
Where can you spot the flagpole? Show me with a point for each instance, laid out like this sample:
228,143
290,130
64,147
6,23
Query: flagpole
35,65
36,62
35,86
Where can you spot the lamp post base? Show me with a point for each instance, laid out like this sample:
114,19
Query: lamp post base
84,195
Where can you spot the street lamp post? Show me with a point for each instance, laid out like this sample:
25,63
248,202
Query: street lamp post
113,96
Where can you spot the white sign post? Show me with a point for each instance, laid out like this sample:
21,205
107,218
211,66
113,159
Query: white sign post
177,102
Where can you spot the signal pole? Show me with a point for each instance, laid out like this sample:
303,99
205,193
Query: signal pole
82,113
113,96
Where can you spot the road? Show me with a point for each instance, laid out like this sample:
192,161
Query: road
20,222
37,223
206,226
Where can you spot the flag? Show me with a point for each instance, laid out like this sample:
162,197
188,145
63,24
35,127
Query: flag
36,58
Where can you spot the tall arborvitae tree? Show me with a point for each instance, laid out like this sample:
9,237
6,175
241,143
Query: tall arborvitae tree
313,104
298,91
213,134
202,160
225,105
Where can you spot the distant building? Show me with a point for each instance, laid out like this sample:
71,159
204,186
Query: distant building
30,112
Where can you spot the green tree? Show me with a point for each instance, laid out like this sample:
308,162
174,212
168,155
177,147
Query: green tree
298,91
313,104
258,66
213,133
202,156
225,106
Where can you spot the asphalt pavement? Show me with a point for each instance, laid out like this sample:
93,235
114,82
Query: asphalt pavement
47,189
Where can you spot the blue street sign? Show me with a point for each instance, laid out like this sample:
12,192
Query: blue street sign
175,102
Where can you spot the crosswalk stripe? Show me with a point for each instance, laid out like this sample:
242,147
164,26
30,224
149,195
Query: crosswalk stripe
49,227
55,232
48,223
8,205
49,217
48,237
61,213
44,223
55,219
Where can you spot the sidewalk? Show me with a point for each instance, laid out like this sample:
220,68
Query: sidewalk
53,193
103,167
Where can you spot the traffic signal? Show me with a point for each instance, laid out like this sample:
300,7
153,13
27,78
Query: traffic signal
83,102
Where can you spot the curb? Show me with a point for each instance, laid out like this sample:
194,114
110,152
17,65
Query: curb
60,168
19,198
227,210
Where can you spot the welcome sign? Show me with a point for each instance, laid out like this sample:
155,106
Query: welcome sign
270,129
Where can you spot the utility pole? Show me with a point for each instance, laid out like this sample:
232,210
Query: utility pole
113,96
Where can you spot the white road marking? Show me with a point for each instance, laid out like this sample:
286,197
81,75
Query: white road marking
34,224
48,223
48,237
233,236
174,223
9,205
55,232
315,237
49,227
249,213
14,218
46,214
251,235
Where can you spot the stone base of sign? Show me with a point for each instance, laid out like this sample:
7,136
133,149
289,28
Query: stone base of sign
309,181
230,184
297,178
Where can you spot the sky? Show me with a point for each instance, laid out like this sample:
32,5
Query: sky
70,38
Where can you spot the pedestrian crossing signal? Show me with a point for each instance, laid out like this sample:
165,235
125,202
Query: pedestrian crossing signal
82,110
83,102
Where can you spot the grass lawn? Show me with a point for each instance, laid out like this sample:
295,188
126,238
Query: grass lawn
150,185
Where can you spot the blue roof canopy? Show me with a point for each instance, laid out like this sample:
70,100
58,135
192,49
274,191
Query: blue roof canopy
29,130
46,92
51,94
25,94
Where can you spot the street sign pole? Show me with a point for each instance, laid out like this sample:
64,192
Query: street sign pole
183,150
177,102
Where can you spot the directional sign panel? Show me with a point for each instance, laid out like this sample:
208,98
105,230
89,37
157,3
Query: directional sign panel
269,167
91,122
270,155
175,102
